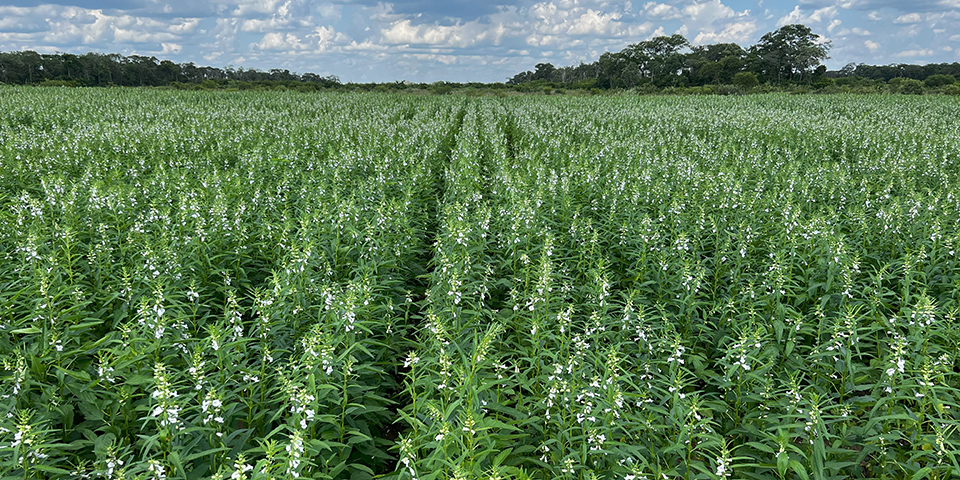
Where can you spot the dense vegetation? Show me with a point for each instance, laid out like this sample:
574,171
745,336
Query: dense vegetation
279,285
101,70
785,59
788,59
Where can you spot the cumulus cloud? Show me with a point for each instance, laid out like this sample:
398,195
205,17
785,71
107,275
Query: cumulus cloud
708,11
78,24
280,41
432,57
365,46
171,48
283,17
712,21
568,18
661,11
405,32
326,37
376,40
915,53
817,16
737,32
89,26
908,18
593,22
184,26
248,7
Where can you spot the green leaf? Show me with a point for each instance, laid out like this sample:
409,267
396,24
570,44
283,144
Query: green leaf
922,473
783,460
26,331
49,469
798,468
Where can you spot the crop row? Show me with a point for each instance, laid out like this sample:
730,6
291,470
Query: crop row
279,285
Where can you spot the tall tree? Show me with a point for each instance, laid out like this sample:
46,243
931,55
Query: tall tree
660,59
716,63
545,71
791,50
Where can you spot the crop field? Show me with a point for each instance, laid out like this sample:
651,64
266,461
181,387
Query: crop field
278,285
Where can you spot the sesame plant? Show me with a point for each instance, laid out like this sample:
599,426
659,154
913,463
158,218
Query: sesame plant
284,285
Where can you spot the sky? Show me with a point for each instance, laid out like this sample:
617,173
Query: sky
462,40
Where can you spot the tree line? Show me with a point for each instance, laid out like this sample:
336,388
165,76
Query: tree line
786,59
791,55
97,69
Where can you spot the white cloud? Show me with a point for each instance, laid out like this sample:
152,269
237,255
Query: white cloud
712,21
549,20
591,22
330,12
124,35
169,48
186,25
87,26
245,8
10,23
326,37
282,18
855,30
383,43
7,10
432,57
911,30
365,46
280,41
738,32
18,37
263,25
908,18
459,35
915,53
797,16
661,11
708,12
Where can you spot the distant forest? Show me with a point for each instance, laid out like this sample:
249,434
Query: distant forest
102,70
788,59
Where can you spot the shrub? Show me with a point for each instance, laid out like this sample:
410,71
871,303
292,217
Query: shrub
910,86
746,80
953,89
934,81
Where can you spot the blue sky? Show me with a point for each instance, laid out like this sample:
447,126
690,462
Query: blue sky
462,40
